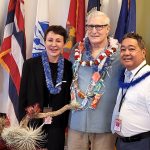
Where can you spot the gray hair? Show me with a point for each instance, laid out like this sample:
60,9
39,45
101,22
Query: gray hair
135,36
95,13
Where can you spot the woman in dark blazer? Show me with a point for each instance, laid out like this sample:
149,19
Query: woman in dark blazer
46,80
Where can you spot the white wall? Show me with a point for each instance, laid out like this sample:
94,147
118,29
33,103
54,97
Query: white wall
58,15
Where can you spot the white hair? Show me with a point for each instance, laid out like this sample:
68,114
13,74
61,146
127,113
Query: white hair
95,13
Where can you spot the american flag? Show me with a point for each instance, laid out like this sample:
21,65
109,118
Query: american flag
13,54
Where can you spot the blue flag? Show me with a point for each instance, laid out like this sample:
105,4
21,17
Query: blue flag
41,25
127,19
92,4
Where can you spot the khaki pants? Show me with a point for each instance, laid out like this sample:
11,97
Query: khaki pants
97,141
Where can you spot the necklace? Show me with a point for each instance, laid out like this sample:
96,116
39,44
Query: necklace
100,68
48,76
113,45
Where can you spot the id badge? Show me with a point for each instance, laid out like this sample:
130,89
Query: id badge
117,126
47,120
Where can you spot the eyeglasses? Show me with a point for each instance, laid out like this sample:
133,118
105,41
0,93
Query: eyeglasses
97,27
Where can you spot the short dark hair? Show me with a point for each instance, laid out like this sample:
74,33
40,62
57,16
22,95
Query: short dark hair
135,36
57,30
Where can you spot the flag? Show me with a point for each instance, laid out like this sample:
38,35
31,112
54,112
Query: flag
75,24
13,54
42,23
127,19
93,4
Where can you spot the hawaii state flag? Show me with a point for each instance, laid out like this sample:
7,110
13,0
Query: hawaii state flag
75,24
42,23
127,19
13,54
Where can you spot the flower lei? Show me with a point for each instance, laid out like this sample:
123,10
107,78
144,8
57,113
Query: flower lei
107,53
47,71
100,67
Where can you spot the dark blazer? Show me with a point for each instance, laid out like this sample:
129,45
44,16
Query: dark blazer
33,90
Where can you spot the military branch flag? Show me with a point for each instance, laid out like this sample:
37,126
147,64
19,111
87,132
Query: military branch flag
92,4
127,19
42,23
13,54
75,24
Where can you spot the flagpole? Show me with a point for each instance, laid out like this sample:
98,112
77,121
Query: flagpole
98,5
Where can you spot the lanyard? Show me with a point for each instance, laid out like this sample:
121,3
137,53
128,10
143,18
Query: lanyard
123,95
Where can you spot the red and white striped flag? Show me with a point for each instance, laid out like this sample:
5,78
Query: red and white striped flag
13,54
